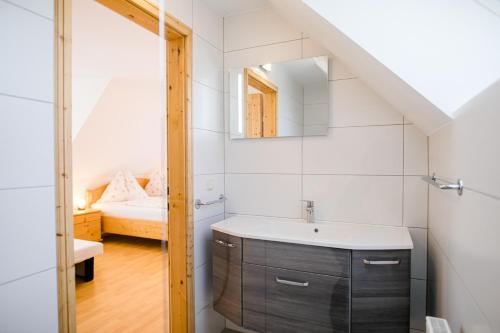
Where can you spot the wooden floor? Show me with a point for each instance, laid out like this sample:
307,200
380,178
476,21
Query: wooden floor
128,293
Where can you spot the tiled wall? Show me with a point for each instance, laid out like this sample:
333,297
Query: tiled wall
366,170
464,247
27,197
208,145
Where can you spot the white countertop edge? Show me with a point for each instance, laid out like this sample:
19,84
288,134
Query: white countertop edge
335,244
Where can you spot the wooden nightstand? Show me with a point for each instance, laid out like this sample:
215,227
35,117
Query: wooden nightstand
87,224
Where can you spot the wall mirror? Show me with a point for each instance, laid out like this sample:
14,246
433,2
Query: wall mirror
279,99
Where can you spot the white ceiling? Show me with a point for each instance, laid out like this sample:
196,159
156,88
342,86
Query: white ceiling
231,7
427,58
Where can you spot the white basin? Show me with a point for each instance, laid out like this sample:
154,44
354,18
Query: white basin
338,235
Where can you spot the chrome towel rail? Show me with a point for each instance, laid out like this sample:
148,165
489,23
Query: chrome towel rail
441,184
198,203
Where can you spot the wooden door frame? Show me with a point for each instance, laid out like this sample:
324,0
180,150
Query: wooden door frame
179,170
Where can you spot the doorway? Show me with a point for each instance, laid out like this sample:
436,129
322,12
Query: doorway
178,169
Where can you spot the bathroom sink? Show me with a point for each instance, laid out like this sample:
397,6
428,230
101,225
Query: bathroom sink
336,234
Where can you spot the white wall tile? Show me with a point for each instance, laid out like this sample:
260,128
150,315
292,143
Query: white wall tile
203,240
415,151
354,104
311,48
28,232
356,199
25,35
339,71
207,63
269,195
419,253
263,54
203,286
441,205
474,247
266,28
26,143
44,8
208,152
282,155
467,148
415,202
418,304
207,108
208,188
208,24
181,10
373,150
30,304
450,299
209,321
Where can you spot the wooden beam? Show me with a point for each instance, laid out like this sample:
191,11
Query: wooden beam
64,188
146,14
177,182
260,83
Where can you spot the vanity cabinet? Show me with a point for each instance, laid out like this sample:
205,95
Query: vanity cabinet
286,287
226,276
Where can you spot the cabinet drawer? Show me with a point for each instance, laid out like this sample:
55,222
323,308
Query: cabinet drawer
382,265
314,259
226,265
310,298
91,217
88,230
254,251
254,297
281,325
380,291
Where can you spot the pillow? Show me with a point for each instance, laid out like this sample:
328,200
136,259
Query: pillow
123,187
155,186
135,191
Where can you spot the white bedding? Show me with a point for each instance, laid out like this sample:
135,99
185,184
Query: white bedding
151,209
85,249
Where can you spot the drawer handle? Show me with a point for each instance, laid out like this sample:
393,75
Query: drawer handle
381,262
292,283
221,243
225,244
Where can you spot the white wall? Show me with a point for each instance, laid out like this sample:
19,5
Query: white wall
366,170
208,149
117,116
27,194
108,48
464,265
123,131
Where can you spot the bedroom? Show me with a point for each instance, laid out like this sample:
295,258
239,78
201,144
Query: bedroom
118,183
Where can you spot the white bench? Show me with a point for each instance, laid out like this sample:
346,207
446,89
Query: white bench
84,252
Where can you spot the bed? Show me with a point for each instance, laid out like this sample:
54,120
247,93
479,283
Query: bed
144,218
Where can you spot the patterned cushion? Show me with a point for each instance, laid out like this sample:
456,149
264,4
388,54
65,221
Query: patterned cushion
156,184
123,187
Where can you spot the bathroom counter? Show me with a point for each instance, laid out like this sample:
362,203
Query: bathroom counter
336,234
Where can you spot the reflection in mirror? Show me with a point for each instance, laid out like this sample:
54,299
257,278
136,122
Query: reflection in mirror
280,99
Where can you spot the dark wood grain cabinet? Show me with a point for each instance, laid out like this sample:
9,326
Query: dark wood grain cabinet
226,275
281,287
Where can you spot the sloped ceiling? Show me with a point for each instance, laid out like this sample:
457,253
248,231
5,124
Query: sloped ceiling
106,46
428,58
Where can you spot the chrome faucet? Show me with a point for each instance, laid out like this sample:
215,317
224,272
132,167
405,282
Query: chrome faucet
309,210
